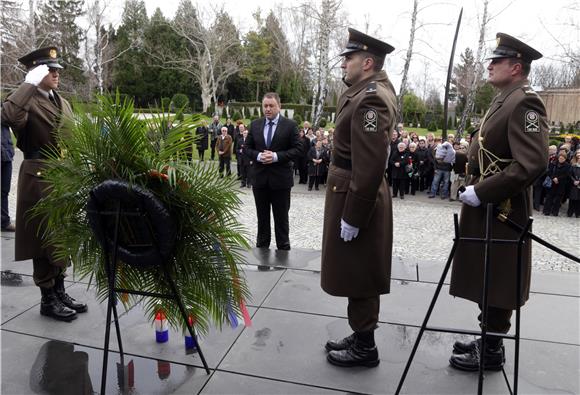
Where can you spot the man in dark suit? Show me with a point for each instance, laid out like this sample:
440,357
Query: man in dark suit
272,144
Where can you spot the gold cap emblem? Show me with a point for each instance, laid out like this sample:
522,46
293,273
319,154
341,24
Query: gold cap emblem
497,41
52,53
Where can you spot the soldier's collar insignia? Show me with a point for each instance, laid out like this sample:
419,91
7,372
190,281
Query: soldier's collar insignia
371,87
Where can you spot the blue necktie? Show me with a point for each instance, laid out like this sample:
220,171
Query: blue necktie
269,137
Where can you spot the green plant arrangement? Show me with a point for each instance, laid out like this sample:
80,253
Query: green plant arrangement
111,143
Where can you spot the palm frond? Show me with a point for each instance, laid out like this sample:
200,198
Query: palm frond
112,143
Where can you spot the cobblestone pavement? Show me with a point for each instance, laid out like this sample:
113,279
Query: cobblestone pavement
423,228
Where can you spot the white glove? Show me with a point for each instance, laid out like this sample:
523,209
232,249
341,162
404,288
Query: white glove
36,75
347,232
469,197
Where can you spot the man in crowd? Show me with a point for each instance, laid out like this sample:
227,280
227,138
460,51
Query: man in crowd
273,144
215,130
358,232
504,158
224,149
35,112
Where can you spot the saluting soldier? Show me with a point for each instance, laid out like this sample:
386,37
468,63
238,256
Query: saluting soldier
505,157
36,113
357,236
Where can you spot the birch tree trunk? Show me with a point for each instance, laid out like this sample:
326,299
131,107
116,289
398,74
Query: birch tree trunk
327,21
478,76
408,57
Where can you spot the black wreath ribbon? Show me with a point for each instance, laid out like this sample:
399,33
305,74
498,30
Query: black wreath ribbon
147,230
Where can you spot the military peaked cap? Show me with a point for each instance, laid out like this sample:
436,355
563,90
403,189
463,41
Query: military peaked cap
511,47
46,55
358,41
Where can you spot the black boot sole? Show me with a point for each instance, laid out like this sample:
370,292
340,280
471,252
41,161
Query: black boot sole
58,317
366,364
472,368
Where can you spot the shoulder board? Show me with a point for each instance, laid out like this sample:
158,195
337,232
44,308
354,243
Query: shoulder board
371,87
528,90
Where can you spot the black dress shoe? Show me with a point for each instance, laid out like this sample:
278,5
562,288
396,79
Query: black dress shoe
51,306
494,359
342,344
356,355
285,247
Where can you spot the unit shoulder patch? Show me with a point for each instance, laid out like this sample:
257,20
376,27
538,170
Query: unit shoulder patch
371,87
370,120
532,122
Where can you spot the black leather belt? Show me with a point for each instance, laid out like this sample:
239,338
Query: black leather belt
345,164
33,155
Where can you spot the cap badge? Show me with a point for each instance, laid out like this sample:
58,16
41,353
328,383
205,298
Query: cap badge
497,41
52,53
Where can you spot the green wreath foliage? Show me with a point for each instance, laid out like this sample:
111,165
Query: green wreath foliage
112,143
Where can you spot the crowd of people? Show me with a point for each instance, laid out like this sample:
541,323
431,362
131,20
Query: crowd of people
561,181
416,163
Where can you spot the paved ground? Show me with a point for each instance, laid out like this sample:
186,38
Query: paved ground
282,352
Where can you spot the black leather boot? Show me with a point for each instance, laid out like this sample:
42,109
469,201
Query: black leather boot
51,306
67,300
342,344
494,356
363,352
460,347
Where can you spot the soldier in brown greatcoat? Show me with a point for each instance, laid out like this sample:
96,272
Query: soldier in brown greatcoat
505,157
358,232
35,111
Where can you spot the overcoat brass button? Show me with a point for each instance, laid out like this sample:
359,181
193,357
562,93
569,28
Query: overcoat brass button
38,173
334,188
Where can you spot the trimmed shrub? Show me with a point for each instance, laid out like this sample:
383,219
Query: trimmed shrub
432,126
165,103
179,101
237,116
322,122
298,119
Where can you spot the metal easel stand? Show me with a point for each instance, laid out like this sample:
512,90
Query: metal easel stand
111,268
488,241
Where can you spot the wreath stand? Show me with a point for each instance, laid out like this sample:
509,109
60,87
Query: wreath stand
487,241
113,206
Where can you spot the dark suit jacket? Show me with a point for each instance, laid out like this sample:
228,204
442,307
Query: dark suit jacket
285,143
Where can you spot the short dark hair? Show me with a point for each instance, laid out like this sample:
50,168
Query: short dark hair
525,66
272,95
377,60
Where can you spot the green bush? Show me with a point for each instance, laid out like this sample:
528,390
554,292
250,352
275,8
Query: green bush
165,103
322,122
237,116
179,101
253,118
297,118
554,142
432,126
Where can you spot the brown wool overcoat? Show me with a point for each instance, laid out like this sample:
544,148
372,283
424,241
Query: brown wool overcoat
34,120
515,128
365,118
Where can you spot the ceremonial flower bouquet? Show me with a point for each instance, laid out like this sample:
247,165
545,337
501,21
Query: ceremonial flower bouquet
112,143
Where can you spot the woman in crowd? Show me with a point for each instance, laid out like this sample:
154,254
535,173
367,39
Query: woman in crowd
399,160
559,173
574,202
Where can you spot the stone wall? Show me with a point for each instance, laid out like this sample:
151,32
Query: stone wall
562,105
